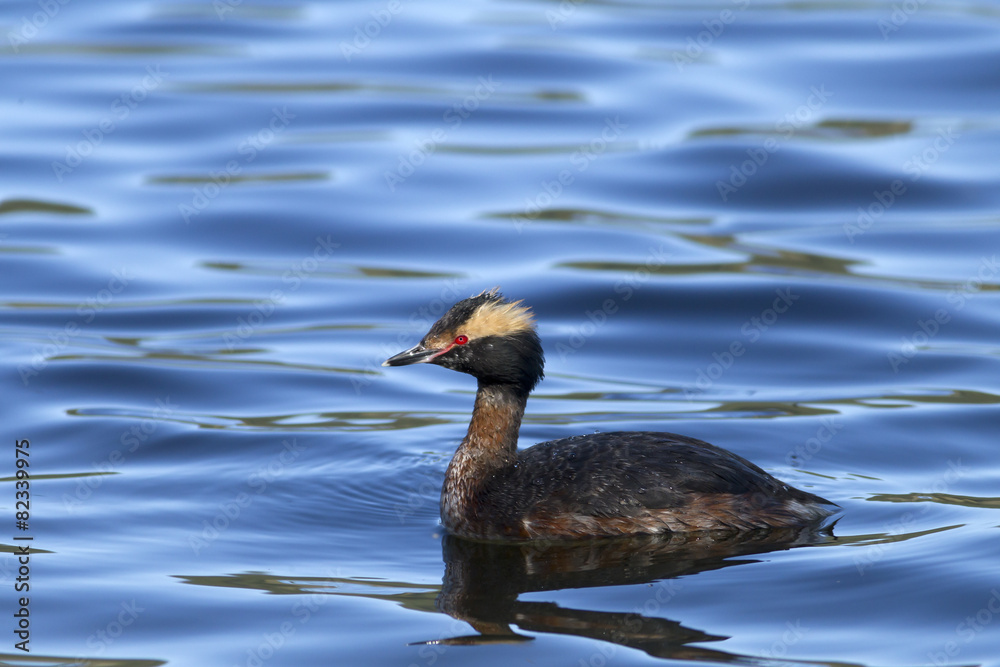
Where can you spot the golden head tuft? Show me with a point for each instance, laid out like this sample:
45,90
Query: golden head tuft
498,317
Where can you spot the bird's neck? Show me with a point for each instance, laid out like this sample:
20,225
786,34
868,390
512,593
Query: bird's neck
488,448
491,442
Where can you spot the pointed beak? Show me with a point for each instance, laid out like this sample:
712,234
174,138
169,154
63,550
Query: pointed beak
418,354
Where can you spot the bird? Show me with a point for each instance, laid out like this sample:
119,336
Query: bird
596,485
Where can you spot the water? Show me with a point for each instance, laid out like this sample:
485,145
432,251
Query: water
771,226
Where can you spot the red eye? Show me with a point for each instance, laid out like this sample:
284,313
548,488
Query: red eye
461,340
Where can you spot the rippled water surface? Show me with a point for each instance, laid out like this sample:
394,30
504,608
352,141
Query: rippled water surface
773,226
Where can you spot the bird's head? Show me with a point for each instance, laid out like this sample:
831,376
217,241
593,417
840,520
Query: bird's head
486,336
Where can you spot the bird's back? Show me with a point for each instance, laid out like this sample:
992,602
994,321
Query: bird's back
627,482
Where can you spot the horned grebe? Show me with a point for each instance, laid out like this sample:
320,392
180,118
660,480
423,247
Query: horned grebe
604,484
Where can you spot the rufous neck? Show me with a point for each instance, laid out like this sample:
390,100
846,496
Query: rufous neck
488,448
496,421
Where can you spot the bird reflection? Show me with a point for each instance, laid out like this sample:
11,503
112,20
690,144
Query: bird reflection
483,582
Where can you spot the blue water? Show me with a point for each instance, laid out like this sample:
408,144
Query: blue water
772,226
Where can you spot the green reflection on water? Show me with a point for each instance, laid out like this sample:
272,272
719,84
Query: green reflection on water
416,597
37,206
940,498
